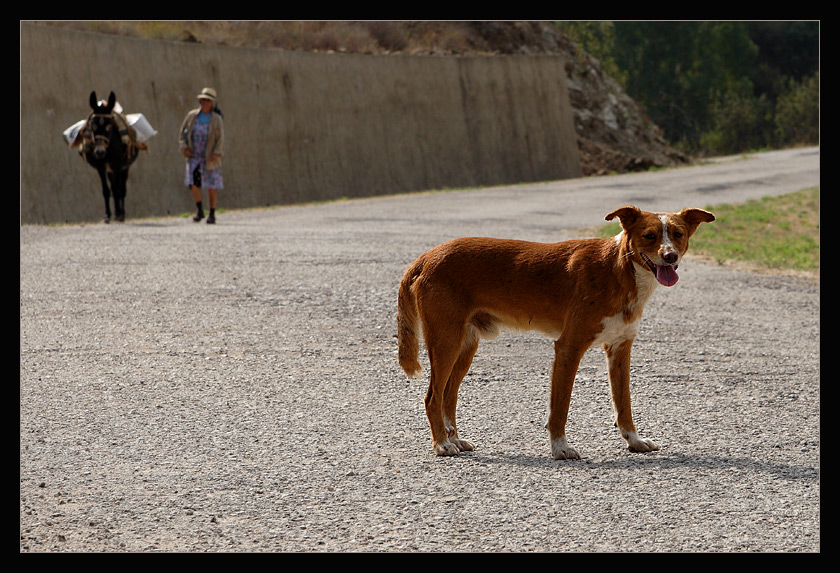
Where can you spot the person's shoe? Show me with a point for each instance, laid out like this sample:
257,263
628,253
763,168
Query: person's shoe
211,220
199,215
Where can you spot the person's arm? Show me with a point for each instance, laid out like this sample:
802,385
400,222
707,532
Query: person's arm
183,137
218,148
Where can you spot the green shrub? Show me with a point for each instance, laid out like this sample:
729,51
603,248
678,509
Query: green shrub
741,122
798,112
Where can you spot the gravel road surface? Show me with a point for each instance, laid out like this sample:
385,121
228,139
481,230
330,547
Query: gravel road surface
235,388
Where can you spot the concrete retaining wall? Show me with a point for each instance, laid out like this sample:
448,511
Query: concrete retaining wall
299,126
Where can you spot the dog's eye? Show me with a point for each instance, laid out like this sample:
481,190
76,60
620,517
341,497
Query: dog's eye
649,236
677,234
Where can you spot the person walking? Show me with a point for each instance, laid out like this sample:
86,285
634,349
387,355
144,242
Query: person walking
201,140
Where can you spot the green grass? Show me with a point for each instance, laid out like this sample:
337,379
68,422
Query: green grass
779,233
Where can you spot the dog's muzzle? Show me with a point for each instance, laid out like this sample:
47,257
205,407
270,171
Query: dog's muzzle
665,274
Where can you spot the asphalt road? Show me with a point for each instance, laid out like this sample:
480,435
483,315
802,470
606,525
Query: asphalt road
235,388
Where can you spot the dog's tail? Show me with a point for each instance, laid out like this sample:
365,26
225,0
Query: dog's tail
408,323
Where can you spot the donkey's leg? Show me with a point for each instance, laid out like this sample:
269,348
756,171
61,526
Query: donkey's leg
106,193
124,191
118,188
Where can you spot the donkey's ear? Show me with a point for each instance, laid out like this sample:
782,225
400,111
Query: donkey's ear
93,99
112,99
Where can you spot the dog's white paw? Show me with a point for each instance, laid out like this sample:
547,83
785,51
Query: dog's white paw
446,449
452,436
463,445
561,450
636,443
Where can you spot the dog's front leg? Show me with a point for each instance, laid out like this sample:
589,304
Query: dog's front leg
566,362
618,362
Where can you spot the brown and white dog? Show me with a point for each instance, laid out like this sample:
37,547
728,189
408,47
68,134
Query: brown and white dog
579,292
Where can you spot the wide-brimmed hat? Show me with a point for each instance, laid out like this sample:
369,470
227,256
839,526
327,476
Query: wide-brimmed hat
207,93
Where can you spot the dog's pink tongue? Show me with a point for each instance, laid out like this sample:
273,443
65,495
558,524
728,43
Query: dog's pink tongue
666,275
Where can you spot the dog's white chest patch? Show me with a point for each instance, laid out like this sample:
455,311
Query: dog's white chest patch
615,330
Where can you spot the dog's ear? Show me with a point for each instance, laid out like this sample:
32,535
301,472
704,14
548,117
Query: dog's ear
693,218
626,215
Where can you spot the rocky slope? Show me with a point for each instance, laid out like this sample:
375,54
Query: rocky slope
614,135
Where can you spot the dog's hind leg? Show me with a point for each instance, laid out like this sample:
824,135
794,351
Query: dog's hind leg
450,394
444,349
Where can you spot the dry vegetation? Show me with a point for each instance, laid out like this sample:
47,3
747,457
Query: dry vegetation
366,37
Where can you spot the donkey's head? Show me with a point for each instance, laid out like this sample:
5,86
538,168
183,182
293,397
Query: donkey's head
101,123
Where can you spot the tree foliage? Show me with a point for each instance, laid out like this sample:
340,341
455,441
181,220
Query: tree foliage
715,87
